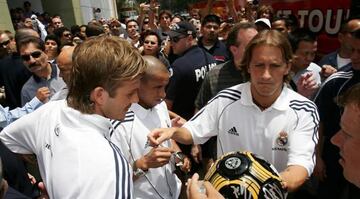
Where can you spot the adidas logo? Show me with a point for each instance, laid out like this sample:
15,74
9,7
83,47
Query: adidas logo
233,131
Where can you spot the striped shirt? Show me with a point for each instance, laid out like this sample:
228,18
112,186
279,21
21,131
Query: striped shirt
131,135
330,112
284,134
75,155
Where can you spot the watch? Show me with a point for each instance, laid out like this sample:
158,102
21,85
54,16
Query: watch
137,171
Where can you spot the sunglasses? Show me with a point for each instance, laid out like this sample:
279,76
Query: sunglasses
67,35
4,43
35,54
150,42
176,39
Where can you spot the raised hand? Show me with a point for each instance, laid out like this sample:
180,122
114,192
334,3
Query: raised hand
43,94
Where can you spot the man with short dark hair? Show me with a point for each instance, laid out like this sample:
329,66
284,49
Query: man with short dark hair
7,43
164,21
13,78
188,71
209,39
64,34
132,30
56,22
44,73
304,46
336,60
279,24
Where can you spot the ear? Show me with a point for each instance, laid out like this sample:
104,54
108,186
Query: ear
233,50
288,67
99,96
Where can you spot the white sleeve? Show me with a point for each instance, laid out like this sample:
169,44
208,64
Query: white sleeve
305,136
22,136
204,124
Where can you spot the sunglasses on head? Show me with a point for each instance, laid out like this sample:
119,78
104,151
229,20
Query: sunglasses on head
35,54
176,39
4,43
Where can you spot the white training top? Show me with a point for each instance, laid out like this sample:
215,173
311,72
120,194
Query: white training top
158,182
75,157
284,134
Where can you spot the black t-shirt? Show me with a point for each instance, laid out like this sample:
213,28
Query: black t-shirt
330,114
14,172
218,51
188,72
13,75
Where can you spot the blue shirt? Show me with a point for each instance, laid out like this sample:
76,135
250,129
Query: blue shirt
7,116
55,83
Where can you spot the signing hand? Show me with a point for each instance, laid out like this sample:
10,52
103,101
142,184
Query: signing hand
158,136
157,157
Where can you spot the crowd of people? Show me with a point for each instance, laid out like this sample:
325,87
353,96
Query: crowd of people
140,108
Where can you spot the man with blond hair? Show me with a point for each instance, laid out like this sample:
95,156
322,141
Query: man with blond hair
71,137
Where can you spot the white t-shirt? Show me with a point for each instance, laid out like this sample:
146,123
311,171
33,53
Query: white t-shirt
284,134
131,136
75,156
314,68
342,61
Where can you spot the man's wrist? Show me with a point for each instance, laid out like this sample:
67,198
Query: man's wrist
138,170
140,164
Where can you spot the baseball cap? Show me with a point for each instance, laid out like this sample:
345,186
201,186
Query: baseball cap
181,28
264,21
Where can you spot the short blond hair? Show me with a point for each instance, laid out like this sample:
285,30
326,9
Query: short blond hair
103,61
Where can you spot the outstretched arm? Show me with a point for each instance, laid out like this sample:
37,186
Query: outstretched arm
158,136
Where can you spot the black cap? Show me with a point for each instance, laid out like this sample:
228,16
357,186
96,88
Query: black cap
181,28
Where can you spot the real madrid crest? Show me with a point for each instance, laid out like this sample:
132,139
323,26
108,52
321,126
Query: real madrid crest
282,139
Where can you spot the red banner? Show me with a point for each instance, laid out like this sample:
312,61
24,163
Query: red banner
322,17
